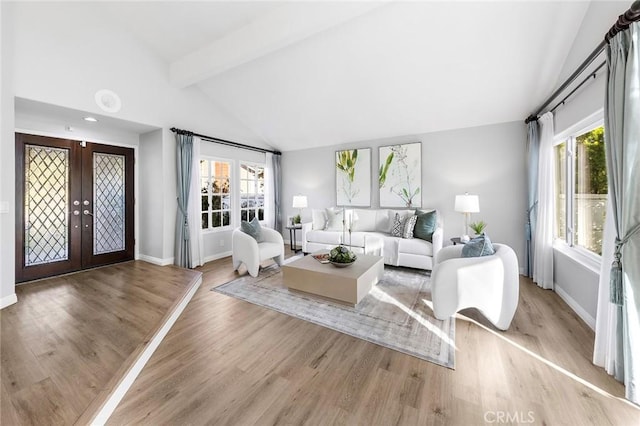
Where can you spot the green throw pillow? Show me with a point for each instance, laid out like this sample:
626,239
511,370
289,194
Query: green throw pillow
252,228
478,246
425,225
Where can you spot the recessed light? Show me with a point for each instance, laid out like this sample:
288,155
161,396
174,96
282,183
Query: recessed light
91,119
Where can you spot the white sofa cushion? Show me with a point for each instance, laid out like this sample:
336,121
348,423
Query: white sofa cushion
318,219
324,237
357,239
383,221
365,220
334,219
415,246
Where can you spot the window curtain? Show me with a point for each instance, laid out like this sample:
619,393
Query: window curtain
622,147
277,191
607,351
184,165
533,147
545,223
195,205
269,183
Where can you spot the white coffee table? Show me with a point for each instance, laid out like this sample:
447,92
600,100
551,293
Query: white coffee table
347,285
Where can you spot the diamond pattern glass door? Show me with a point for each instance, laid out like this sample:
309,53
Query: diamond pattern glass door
46,205
108,203
74,205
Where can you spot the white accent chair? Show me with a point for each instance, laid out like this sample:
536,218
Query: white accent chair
245,249
487,283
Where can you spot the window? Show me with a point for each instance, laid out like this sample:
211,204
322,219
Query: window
215,178
581,189
251,191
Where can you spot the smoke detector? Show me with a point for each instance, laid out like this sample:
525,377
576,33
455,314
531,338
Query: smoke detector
108,100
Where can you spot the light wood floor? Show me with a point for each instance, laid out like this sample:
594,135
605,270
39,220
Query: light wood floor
229,362
69,339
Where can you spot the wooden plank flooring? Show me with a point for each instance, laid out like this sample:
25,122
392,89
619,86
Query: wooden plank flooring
66,341
226,361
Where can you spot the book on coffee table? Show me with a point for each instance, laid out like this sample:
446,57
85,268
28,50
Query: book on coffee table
321,257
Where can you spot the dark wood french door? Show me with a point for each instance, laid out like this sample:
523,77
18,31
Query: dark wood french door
75,205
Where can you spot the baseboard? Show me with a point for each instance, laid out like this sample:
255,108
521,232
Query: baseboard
217,256
8,300
156,260
579,310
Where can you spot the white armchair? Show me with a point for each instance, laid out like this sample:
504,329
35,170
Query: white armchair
487,283
245,249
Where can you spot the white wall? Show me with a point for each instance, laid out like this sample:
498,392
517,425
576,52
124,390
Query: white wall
151,200
487,160
7,166
61,54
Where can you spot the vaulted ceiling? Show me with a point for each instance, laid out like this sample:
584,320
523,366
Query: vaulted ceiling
304,74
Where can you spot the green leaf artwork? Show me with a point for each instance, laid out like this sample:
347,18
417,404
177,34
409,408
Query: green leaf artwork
399,175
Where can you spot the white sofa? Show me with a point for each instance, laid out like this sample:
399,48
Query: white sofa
371,234
487,283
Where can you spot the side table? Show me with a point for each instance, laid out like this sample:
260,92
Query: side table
456,240
292,237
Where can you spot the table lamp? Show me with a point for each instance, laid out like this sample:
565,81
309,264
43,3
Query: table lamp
466,204
299,202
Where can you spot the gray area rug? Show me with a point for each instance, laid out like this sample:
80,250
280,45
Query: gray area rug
396,313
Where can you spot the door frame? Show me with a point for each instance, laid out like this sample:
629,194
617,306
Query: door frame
99,140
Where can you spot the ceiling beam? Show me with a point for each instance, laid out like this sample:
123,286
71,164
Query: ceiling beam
277,29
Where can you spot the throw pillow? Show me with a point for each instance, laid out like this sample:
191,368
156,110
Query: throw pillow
252,228
408,226
334,220
478,246
396,229
425,225
318,219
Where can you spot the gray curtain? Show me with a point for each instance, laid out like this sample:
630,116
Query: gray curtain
184,163
277,191
622,144
533,149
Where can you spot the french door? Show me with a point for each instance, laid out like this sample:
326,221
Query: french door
75,204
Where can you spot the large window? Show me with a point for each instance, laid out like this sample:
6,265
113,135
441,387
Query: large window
581,189
215,178
251,191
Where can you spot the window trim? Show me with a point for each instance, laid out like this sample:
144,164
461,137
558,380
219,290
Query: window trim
578,253
232,184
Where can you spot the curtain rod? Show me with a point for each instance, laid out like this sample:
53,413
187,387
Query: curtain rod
224,141
623,22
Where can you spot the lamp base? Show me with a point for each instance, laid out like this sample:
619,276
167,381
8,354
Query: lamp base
464,238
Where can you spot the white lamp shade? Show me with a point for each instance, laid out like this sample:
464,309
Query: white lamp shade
467,204
299,201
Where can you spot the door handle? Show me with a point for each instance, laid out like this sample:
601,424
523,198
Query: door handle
87,213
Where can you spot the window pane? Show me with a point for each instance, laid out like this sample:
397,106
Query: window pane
260,201
204,168
226,202
243,172
561,190
244,186
252,214
204,186
260,214
224,185
246,201
226,218
205,203
590,193
205,220
216,217
243,215
222,169
216,202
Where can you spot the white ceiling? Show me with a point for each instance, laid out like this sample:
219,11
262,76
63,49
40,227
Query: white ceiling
304,74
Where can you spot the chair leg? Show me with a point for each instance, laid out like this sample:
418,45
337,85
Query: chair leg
236,264
253,271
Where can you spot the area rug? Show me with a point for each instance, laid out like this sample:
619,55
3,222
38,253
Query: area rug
396,313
